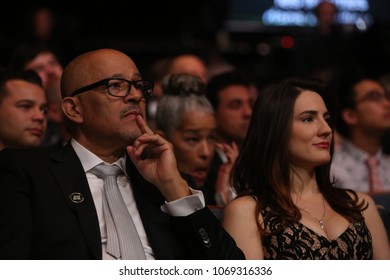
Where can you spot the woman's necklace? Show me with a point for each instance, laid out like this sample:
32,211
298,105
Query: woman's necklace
321,221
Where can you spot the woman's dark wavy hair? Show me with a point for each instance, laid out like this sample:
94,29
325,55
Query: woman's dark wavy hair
262,167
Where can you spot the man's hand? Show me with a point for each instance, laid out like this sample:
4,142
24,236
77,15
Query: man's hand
154,158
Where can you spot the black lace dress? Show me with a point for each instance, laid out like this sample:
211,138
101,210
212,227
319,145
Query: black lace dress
298,242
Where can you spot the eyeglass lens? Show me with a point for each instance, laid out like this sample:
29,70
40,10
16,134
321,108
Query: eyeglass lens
119,87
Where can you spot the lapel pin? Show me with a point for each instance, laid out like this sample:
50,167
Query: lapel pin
76,197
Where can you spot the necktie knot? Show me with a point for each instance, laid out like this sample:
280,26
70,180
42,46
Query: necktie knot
372,162
104,170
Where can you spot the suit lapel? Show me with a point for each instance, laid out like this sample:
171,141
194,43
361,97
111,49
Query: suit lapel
156,222
70,176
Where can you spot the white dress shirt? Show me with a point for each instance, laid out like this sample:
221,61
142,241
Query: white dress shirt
180,207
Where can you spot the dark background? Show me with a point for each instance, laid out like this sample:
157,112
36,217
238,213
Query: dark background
148,30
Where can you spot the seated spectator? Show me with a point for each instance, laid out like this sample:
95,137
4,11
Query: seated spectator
288,208
231,96
186,118
39,58
23,109
363,120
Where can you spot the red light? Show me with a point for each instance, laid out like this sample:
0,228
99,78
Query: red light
287,42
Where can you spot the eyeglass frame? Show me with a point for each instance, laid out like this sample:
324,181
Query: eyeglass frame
104,82
374,96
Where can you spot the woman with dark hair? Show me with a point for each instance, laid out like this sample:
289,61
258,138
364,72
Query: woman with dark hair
288,207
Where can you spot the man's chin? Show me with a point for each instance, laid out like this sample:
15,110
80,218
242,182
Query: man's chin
131,136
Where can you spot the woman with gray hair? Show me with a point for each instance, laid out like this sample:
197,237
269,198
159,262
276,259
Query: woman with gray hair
186,118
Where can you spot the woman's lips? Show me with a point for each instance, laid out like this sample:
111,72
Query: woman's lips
323,145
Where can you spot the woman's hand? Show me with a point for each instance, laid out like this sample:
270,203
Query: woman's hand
223,189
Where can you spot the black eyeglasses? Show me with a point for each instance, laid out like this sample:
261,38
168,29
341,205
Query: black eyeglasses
375,96
119,87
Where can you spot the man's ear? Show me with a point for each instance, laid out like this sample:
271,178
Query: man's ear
71,108
349,116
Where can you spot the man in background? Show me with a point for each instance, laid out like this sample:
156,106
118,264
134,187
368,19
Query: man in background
231,95
42,60
23,109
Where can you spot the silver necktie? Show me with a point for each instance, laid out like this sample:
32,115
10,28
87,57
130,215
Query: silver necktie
123,241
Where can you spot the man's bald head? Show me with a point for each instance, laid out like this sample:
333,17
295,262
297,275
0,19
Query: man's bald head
93,66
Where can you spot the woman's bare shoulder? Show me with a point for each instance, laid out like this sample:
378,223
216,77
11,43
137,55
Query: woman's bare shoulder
242,203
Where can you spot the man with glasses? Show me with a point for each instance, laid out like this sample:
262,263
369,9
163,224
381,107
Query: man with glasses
364,118
56,204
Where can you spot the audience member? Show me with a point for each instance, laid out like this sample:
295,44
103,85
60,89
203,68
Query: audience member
41,26
186,118
363,120
287,206
230,94
39,58
23,109
55,28
57,213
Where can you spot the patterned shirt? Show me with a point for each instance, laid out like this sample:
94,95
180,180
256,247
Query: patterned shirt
350,170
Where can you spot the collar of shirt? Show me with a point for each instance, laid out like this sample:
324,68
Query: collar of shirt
358,153
89,160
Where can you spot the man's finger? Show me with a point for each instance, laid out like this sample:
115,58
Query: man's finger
143,126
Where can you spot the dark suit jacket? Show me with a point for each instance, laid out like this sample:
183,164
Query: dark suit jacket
43,217
209,186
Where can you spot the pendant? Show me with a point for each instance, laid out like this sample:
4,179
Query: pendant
321,223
